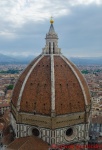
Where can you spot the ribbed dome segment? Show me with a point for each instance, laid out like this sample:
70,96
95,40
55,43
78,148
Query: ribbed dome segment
44,89
20,81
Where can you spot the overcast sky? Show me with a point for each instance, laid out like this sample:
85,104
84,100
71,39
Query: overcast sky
24,24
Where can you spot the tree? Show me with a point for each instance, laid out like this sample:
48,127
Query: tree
10,87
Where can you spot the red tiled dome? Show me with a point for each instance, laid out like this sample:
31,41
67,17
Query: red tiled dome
51,99
51,85
33,90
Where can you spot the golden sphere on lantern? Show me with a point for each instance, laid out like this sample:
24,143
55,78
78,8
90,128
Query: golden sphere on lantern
51,20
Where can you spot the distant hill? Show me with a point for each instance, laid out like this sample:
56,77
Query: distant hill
5,59
86,60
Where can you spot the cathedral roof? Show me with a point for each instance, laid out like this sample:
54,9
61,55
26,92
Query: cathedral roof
51,84
33,90
25,143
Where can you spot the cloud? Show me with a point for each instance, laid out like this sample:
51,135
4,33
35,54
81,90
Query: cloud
85,2
20,11
24,23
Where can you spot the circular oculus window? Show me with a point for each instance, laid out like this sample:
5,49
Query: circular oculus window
70,134
35,132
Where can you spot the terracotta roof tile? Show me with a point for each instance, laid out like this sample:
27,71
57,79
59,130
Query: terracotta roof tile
31,143
37,91
97,119
69,96
36,96
83,81
20,81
